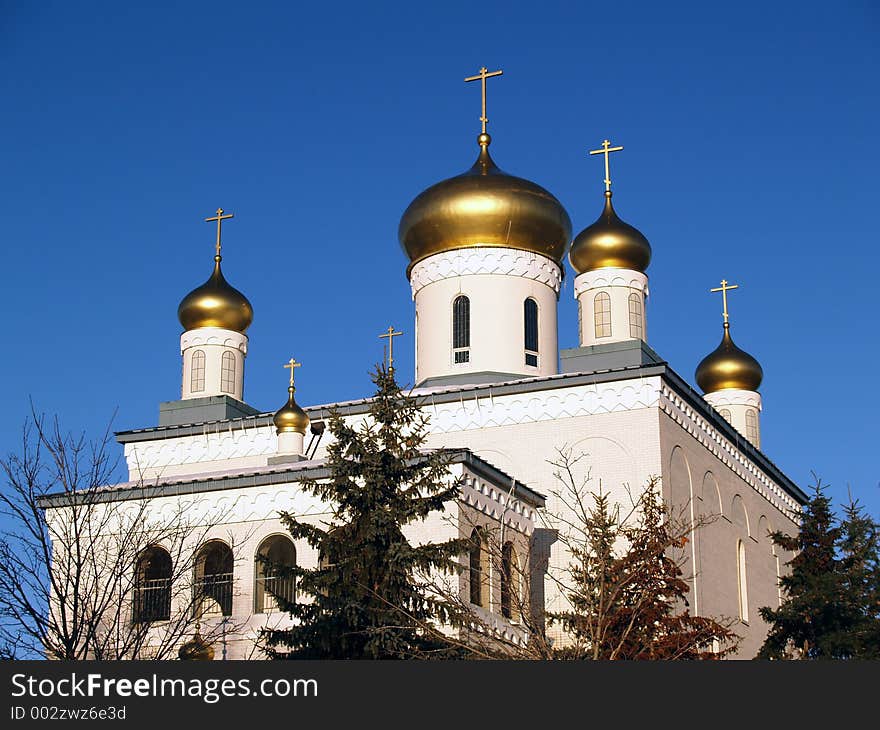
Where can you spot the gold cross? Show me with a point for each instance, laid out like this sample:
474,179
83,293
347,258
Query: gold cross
724,288
390,334
219,218
482,76
292,364
606,150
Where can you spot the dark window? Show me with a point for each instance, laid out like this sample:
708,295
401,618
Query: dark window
461,329
152,587
507,577
214,580
476,568
273,581
530,318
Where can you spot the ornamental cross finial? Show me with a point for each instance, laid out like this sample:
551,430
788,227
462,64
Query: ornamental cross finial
390,334
482,76
219,218
292,364
606,150
724,288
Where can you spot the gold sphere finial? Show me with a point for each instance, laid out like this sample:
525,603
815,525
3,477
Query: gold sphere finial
196,649
484,139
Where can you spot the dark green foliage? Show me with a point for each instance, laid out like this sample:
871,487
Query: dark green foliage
860,562
830,604
364,601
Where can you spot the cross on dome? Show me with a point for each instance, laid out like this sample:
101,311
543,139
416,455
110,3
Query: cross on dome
219,218
481,77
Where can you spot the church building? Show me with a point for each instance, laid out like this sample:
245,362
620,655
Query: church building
487,253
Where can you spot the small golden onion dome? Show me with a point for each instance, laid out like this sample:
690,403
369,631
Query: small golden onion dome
484,207
610,243
728,367
196,649
290,417
216,304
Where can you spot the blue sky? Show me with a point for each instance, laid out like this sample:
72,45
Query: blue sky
751,154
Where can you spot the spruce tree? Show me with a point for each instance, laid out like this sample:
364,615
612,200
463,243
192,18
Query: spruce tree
364,600
816,614
860,564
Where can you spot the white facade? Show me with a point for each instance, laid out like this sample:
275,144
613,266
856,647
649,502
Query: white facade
496,283
213,362
629,427
611,306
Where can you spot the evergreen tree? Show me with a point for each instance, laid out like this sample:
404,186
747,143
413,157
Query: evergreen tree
364,600
628,593
817,613
860,565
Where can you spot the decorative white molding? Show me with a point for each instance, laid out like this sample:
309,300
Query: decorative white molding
213,336
500,506
486,410
481,411
733,397
732,457
216,443
485,260
611,277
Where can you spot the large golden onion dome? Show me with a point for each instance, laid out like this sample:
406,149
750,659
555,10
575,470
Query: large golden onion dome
728,367
216,303
484,207
610,243
290,418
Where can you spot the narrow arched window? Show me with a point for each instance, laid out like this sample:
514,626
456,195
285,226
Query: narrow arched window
602,314
227,373
274,581
510,597
152,586
530,320
752,426
214,566
461,329
478,565
742,583
725,414
636,326
197,372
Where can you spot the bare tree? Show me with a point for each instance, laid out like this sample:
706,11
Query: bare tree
89,571
625,581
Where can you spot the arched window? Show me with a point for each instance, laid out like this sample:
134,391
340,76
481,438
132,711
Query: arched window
478,564
152,586
227,373
636,327
272,581
742,583
530,320
197,372
214,579
725,414
510,598
461,329
602,314
752,426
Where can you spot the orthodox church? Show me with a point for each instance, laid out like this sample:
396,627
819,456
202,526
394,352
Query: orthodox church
487,254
